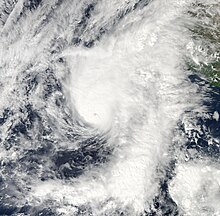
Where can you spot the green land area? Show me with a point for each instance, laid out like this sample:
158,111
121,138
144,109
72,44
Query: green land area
206,33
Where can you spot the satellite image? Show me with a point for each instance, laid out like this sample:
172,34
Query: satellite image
110,107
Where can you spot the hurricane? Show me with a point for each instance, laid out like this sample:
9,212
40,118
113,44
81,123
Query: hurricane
109,108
